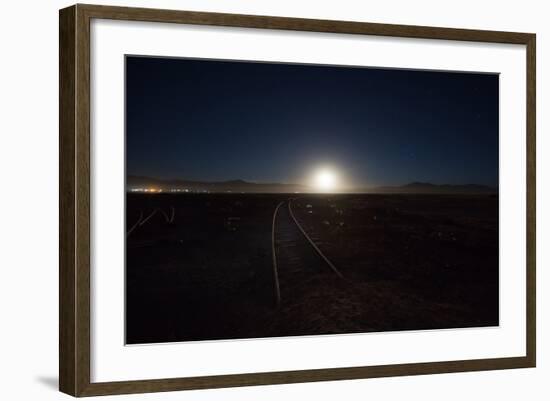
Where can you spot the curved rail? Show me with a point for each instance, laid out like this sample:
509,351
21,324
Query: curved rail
173,215
321,254
310,241
165,215
141,221
148,217
274,253
136,223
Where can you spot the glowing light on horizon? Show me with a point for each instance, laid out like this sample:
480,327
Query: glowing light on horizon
325,180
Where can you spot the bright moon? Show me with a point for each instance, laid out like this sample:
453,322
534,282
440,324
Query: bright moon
325,180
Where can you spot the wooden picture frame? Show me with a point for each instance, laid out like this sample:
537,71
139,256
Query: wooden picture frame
74,204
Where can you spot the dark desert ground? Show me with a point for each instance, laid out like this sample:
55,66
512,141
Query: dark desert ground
200,266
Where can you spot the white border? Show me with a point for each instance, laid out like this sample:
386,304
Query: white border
112,361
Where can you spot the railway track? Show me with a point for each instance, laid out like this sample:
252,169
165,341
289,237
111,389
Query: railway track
296,257
144,218
297,260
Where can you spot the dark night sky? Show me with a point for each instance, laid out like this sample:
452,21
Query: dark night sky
214,121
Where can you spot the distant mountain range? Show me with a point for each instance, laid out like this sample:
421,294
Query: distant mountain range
135,182
428,188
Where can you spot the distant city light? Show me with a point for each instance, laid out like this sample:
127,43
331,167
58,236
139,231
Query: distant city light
147,190
160,190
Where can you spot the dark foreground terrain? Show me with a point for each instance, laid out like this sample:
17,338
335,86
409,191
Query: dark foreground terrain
200,266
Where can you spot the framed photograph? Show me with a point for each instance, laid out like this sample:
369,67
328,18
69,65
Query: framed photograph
251,200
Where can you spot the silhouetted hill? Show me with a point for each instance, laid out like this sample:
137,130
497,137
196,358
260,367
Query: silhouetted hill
429,188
